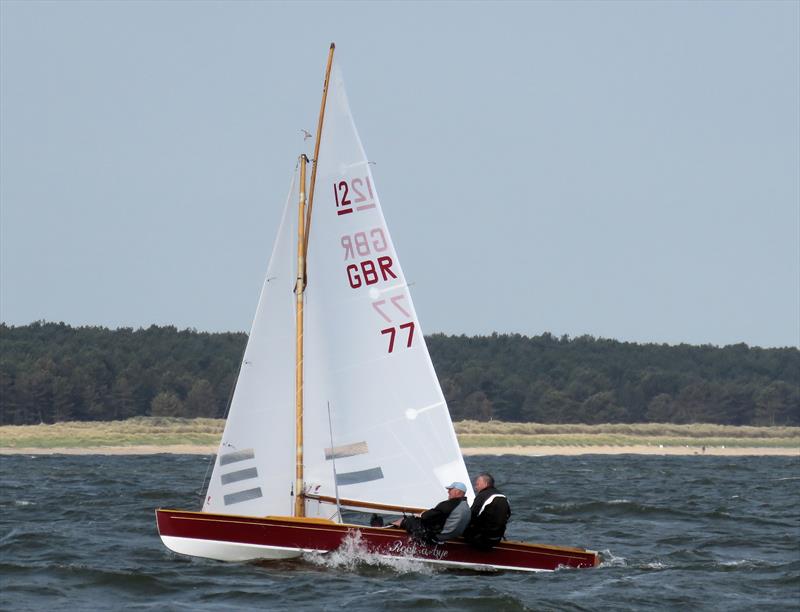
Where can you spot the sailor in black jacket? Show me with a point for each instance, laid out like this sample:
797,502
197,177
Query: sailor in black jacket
445,521
490,514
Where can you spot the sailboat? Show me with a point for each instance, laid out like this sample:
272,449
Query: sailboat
337,406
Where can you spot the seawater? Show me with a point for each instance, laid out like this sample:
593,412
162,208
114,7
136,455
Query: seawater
676,533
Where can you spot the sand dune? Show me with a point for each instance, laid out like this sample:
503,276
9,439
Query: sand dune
189,449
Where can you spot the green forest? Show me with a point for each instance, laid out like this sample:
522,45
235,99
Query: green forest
52,372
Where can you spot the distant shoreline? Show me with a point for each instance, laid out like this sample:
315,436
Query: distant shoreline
528,451
152,435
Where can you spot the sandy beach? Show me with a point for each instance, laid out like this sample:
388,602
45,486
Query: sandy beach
529,451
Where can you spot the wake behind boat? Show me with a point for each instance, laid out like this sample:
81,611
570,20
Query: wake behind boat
337,404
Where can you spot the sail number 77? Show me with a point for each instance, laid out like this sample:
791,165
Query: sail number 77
392,333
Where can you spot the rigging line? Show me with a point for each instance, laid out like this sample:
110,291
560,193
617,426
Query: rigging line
333,461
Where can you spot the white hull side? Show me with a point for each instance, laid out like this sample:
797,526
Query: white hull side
234,551
229,551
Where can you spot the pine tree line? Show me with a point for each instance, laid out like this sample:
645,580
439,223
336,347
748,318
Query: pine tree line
53,372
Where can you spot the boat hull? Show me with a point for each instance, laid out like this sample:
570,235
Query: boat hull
245,538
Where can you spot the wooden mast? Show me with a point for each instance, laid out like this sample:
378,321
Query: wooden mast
303,227
299,287
316,145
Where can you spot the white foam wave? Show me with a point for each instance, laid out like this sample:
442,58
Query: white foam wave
609,560
655,565
353,554
738,563
746,563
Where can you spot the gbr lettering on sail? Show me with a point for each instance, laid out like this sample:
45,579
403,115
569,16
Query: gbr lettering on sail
368,263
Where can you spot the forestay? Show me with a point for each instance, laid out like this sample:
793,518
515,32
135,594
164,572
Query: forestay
254,468
365,355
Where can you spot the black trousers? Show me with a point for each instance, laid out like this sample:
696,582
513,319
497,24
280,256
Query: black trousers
413,525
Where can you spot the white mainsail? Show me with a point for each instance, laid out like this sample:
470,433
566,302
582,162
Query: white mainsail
365,360
254,468
365,355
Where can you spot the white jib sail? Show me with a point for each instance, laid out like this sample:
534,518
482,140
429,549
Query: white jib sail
393,440
254,470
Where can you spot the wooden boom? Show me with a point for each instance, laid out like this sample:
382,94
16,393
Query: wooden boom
364,504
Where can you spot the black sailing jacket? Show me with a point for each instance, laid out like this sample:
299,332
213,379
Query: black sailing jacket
490,523
434,519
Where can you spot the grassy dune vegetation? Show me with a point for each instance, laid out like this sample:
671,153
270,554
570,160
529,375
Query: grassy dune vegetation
171,431
138,431
496,433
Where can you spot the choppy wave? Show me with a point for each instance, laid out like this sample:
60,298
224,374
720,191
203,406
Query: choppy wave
609,559
78,533
353,555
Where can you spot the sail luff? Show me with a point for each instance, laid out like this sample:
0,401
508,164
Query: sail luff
318,139
299,502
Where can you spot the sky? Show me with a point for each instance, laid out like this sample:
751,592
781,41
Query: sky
628,170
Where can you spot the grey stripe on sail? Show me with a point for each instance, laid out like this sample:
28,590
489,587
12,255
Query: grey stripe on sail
349,478
346,450
241,455
241,496
238,475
